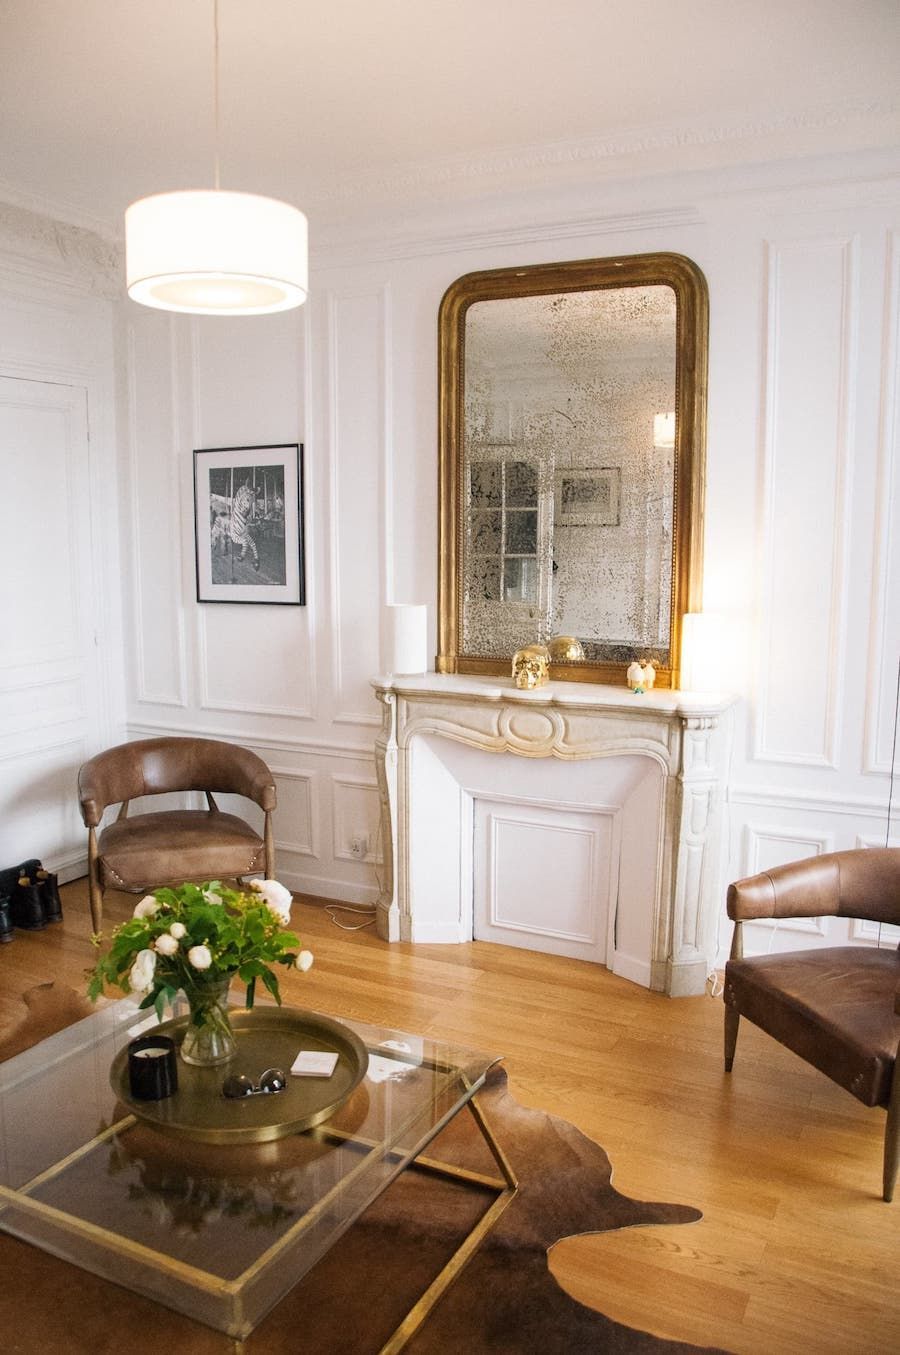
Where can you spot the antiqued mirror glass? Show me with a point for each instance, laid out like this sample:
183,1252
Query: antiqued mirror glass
572,402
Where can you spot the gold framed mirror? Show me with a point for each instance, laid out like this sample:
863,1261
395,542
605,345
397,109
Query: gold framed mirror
572,423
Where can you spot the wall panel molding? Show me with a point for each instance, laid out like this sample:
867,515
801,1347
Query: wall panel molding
779,797
359,402
884,628
284,743
144,695
810,347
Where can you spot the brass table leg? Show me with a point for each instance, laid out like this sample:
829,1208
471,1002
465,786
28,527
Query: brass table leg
470,1244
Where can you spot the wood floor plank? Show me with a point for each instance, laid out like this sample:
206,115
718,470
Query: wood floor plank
796,1250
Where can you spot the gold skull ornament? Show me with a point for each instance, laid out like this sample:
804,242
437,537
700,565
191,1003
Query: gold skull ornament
530,666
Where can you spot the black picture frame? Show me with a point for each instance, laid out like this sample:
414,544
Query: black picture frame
249,536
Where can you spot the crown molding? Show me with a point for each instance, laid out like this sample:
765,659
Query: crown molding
388,246
59,251
497,167
60,209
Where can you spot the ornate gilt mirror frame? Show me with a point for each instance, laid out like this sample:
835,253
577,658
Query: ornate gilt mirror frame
680,506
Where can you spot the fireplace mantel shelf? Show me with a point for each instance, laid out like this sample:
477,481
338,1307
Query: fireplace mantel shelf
571,695
685,735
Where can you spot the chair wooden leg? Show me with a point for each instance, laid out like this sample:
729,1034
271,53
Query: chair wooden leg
95,891
892,1139
732,1021
269,837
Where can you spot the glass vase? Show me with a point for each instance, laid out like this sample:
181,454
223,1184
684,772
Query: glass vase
209,1039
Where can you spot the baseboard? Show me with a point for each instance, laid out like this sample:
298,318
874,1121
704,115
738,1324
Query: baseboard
627,967
342,891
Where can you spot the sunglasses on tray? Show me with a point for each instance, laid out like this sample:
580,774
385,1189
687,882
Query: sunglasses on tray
238,1085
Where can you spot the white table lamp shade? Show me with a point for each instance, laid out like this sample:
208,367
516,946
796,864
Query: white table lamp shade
407,637
700,659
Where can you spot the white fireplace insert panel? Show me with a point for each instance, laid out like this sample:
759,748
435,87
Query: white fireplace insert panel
576,819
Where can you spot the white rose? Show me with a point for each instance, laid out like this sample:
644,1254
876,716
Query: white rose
278,899
200,957
211,896
166,944
178,930
140,978
148,907
304,961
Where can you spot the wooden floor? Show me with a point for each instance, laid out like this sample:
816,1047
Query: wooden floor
796,1251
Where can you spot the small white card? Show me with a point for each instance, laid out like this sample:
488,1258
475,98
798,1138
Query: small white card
314,1063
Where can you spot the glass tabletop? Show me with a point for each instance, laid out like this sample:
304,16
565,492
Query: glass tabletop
217,1232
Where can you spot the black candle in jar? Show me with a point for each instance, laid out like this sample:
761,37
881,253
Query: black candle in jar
152,1068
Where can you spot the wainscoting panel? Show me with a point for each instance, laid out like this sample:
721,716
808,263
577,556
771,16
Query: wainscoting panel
297,816
809,412
356,817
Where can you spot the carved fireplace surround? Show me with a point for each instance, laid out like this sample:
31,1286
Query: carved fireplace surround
667,902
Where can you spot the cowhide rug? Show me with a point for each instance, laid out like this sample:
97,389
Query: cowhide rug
505,1301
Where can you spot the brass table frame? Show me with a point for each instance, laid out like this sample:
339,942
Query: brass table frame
239,1329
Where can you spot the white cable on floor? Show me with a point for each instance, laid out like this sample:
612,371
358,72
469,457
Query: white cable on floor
332,908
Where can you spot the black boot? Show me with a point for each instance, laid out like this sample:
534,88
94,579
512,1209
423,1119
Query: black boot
27,905
6,926
50,900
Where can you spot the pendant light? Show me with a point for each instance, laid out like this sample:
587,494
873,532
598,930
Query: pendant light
211,252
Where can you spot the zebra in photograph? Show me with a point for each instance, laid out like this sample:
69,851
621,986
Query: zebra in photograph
242,506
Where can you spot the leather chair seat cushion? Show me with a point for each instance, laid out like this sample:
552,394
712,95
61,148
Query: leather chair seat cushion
834,1007
149,850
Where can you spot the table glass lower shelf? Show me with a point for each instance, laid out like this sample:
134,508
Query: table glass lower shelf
219,1233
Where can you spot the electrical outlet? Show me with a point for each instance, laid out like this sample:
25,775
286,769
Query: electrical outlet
359,846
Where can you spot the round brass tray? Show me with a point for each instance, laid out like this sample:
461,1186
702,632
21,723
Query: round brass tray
267,1037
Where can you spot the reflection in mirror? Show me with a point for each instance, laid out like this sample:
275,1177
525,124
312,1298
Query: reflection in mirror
571,462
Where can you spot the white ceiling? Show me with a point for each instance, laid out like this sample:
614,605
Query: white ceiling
103,101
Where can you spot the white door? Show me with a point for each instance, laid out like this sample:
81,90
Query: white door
543,876
50,699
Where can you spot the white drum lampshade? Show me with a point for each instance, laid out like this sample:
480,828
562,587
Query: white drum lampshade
407,637
210,252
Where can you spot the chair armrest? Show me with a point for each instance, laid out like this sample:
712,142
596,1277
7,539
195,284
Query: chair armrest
92,793
861,883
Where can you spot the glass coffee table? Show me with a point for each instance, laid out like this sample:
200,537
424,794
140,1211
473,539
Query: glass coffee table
222,1232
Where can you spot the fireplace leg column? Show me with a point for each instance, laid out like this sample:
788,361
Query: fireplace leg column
695,865
387,908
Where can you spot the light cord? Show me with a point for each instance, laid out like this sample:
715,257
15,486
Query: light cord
216,93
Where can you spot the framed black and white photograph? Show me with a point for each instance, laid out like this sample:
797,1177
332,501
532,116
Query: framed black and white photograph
248,522
587,496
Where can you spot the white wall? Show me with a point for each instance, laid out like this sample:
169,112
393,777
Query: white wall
61,680
802,507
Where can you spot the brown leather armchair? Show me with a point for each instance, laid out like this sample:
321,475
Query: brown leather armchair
838,1007
146,851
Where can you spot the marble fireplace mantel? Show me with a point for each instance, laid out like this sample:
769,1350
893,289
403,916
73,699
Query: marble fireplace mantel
685,735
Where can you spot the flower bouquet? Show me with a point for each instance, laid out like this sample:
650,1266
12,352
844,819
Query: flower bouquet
195,939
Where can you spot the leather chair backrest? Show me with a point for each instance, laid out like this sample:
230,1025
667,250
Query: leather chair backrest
156,766
862,883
